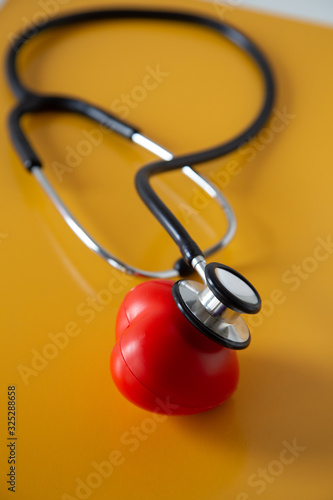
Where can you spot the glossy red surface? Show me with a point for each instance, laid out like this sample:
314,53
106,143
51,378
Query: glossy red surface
161,362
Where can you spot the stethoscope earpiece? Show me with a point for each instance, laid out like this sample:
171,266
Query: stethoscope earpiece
214,308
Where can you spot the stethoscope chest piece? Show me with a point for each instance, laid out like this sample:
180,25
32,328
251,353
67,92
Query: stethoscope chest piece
214,308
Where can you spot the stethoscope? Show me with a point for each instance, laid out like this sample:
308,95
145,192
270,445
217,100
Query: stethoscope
214,306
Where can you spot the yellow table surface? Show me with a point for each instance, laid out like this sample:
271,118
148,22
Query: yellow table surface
77,437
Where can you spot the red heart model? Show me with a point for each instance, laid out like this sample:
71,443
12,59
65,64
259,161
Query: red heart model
161,362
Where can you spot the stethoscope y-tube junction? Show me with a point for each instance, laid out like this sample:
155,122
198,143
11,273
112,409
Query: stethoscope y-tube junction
193,257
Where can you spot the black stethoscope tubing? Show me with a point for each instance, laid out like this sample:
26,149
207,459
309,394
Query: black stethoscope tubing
31,101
